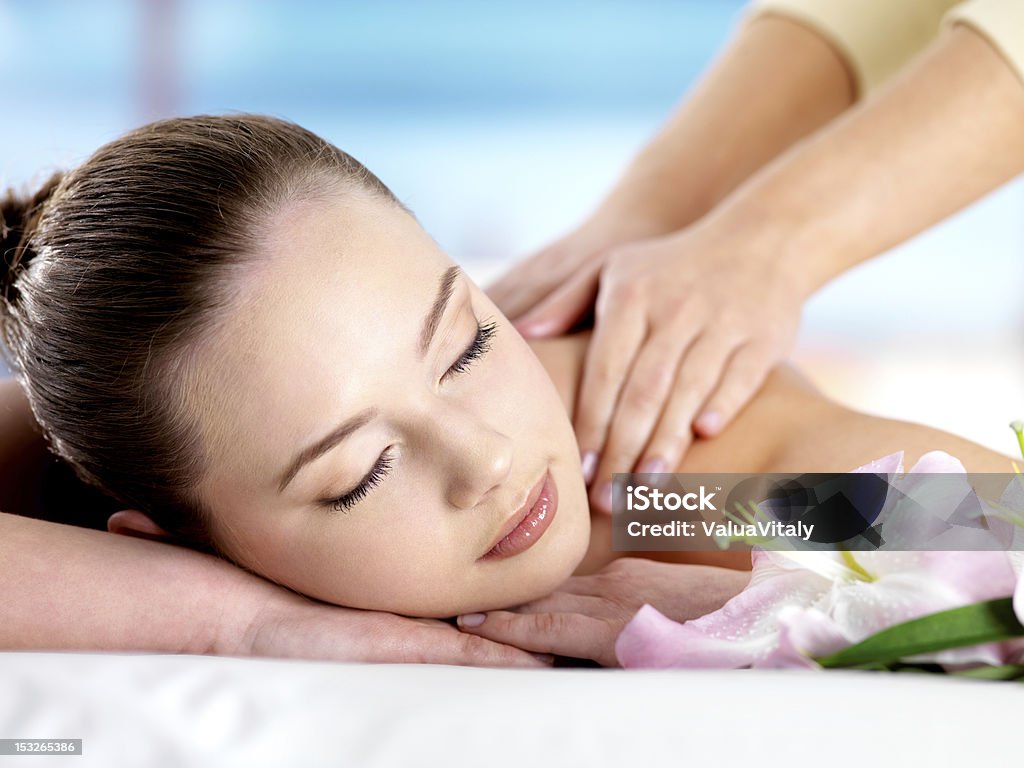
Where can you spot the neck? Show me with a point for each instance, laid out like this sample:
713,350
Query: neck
562,357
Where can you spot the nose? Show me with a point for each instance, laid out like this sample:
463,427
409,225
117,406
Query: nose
478,457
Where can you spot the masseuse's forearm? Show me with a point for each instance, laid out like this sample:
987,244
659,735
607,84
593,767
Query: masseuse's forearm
946,131
67,588
776,82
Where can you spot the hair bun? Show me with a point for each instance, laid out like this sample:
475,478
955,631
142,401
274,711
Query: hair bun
18,219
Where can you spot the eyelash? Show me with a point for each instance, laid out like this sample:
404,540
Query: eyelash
479,347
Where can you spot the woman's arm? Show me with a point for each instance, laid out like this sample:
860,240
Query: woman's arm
72,588
937,137
69,588
776,82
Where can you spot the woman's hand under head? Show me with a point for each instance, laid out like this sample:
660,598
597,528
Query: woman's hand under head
374,428
293,627
585,616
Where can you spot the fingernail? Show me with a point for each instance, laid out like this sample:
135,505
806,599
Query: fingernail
589,461
530,328
604,498
472,619
653,467
709,421
544,658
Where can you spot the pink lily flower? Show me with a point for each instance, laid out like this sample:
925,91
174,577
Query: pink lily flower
800,605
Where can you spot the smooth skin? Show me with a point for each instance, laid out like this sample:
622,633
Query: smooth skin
67,585
699,261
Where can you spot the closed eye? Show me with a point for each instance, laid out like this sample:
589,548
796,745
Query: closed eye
479,347
373,478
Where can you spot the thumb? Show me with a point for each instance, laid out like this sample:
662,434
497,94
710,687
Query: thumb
561,309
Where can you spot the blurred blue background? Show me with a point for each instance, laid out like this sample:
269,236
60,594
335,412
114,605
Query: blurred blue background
500,124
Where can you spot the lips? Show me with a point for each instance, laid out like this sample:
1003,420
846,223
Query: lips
524,528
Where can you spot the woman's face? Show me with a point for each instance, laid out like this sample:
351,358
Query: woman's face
376,428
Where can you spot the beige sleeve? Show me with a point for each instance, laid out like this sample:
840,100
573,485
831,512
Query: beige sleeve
1001,22
877,37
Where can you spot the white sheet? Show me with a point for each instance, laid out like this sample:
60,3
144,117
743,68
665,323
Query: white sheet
152,711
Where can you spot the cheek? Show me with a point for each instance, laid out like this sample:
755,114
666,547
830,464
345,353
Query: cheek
368,560
520,382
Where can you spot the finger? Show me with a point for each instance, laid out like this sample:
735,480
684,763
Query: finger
698,375
618,333
518,297
563,634
744,375
559,310
448,646
562,602
643,398
520,290
530,281
590,585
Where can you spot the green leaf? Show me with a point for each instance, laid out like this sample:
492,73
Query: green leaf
1005,672
986,622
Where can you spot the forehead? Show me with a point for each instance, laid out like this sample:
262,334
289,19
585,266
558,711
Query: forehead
328,312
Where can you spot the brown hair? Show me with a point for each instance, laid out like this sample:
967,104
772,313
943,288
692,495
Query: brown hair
110,273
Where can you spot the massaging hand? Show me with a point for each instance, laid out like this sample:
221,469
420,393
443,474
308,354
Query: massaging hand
291,626
571,263
585,616
686,328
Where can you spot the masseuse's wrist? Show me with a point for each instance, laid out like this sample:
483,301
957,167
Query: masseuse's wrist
788,239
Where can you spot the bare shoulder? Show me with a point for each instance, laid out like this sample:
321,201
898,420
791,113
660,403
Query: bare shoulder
788,426
786,404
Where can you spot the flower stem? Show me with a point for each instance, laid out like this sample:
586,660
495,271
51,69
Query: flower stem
1018,429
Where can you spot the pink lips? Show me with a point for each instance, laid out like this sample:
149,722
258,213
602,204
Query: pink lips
528,524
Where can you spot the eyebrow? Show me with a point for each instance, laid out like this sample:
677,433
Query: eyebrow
445,288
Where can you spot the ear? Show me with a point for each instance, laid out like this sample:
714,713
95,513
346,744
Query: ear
131,522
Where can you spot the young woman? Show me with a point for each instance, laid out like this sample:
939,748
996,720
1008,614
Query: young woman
236,331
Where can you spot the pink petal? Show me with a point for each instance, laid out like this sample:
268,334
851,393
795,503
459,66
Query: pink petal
803,634
988,654
947,498
742,630
1014,651
650,640
962,576
938,462
1010,536
887,465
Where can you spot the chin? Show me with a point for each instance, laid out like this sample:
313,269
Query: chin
532,579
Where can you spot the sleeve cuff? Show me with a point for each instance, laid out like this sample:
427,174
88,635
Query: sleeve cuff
1001,22
876,37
